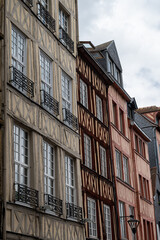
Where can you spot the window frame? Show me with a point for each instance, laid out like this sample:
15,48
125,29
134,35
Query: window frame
99,108
83,93
47,85
48,176
114,109
126,177
121,121
120,166
19,152
63,17
122,220
14,56
87,157
92,225
107,226
68,180
66,100
103,160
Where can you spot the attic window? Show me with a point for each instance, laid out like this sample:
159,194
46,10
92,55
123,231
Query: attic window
97,55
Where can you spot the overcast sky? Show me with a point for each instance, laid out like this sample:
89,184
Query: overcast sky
134,25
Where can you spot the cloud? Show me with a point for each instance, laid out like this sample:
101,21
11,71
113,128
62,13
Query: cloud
135,27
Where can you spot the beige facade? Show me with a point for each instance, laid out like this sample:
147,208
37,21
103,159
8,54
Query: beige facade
24,110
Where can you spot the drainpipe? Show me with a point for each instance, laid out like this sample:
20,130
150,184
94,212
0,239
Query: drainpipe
4,133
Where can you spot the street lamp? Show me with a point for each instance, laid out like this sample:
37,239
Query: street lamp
133,223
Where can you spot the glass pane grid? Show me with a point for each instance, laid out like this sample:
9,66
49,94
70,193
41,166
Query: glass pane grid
70,188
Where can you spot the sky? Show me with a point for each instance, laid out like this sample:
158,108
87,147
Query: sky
134,25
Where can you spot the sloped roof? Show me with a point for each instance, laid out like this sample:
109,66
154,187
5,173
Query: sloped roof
148,109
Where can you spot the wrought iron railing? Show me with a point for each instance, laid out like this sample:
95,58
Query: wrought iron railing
21,82
49,102
45,17
70,119
28,2
65,39
26,195
55,203
74,211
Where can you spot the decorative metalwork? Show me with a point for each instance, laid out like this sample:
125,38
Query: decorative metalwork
70,119
21,82
28,2
48,101
26,195
74,211
45,17
55,203
66,40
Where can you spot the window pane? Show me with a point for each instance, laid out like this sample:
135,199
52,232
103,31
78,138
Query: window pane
122,220
99,108
103,162
66,91
70,184
125,169
87,151
83,94
45,65
107,221
92,216
118,164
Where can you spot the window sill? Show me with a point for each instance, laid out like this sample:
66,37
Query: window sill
115,127
140,155
146,200
125,184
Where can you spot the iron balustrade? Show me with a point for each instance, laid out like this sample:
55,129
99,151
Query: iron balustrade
70,119
45,17
21,82
74,211
26,194
55,203
28,2
49,102
65,39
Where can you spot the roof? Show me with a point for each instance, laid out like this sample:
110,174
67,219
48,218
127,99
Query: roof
148,109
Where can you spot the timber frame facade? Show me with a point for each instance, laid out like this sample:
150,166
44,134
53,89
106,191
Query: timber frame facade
40,180
96,164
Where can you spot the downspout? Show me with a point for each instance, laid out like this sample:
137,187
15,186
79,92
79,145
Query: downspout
4,143
155,147
112,170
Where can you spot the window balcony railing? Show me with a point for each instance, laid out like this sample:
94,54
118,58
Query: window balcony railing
74,211
70,119
66,40
21,82
49,102
26,195
29,3
54,203
45,17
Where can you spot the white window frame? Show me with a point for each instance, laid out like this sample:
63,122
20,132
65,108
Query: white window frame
63,20
46,73
66,91
18,44
122,220
92,215
99,109
118,164
70,180
88,151
126,169
103,160
49,168
21,155
83,93
107,221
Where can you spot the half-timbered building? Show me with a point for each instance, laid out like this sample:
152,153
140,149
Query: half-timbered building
96,165
40,180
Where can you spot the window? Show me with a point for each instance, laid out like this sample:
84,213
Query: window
131,212
144,187
103,161
21,156
126,169
87,151
92,216
70,180
121,118
114,105
18,47
107,221
122,220
49,168
44,3
45,65
111,66
140,146
136,143
122,166
99,108
63,20
118,164
83,94
66,91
